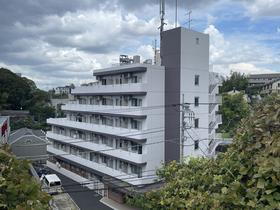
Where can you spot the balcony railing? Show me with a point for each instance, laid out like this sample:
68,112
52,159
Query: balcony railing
127,155
112,89
115,131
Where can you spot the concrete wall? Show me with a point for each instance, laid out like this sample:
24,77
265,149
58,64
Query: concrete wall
185,53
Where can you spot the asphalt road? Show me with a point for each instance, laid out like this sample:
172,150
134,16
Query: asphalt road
88,200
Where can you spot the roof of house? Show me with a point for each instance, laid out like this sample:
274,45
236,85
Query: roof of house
272,75
25,132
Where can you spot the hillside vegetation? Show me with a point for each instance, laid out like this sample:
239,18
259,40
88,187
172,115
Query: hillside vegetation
20,93
18,190
247,176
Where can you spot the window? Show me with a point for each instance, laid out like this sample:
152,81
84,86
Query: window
196,145
103,81
196,101
278,84
136,102
104,160
135,124
196,80
196,123
197,40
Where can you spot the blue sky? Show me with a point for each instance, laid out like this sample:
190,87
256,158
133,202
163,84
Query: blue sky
60,42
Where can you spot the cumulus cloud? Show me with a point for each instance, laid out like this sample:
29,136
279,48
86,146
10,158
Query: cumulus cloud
263,7
237,54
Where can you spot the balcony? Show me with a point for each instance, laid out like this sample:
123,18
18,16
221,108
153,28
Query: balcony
114,131
129,178
120,110
214,123
115,89
118,153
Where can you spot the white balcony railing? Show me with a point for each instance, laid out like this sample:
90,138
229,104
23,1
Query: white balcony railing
127,155
115,88
116,131
129,178
124,110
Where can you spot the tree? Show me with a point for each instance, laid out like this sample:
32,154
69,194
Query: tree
236,81
233,109
18,190
247,176
18,93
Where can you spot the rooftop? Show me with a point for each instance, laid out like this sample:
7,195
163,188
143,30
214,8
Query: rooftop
18,134
135,67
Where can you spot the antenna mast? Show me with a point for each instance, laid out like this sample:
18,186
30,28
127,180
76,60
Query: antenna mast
190,20
162,14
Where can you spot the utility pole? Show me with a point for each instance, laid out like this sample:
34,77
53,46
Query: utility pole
187,123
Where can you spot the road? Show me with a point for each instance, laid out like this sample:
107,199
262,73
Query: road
87,200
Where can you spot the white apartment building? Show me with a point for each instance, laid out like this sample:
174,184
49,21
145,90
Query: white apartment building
129,122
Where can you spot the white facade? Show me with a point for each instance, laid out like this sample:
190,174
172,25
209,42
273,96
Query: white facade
114,126
129,122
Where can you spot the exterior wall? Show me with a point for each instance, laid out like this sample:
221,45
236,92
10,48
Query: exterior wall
150,89
195,61
273,87
185,54
171,59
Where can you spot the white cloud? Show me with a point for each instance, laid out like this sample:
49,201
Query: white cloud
248,68
238,54
263,7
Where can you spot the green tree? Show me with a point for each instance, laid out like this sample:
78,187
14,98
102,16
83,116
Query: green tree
247,176
236,81
233,109
18,93
18,190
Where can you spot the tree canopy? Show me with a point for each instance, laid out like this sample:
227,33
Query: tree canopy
236,81
20,93
247,176
233,109
18,190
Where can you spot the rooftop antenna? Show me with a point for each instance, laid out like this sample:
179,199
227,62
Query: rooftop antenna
189,18
162,14
176,12
162,23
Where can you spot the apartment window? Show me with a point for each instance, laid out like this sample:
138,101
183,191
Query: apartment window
118,102
135,124
196,123
136,148
136,170
123,166
197,40
103,81
196,101
196,145
104,159
278,84
124,122
136,102
196,80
